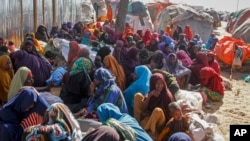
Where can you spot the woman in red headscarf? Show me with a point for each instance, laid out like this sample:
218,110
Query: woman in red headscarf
147,36
189,33
211,80
73,50
212,62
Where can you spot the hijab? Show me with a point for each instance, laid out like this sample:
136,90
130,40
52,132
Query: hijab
73,51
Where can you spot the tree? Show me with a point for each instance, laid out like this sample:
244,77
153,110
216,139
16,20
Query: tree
121,16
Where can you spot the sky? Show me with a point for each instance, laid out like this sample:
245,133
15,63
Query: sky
223,5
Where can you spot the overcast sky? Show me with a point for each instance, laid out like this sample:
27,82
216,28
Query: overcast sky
224,5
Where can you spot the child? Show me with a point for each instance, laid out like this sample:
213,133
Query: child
178,123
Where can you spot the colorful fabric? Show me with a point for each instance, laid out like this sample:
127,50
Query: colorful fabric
184,58
125,131
200,62
140,85
81,65
212,80
180,136
18,81
117,70
73,50
62,125
102,133
6,77
163,99
189,33
24,110
213,63
39,67
39,48
108,110
107,91
212,95
177,32
147,36
169,31
109,13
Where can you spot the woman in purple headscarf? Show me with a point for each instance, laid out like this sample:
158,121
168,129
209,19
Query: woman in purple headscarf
39,67
131,61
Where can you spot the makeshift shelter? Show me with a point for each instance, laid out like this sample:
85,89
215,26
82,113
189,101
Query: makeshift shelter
138,16
200,23
243,31
225,48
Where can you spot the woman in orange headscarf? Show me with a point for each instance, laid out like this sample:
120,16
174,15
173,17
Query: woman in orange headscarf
109,13
189,33
169,31
6,73
111,64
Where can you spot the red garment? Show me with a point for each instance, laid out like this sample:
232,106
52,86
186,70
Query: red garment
73,50
213,63
189,33
212,80
201,61
147,36
163,100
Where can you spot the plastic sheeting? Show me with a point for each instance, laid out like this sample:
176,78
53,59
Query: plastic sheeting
66,11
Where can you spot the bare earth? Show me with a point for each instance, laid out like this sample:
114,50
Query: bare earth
234,109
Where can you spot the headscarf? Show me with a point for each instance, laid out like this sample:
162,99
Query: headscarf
130,62
212,80
184,58
173,68
108,110
38,66
213,63
163,100
189,33
81,65
169,31
119,56
6,77
177,33
72,52
111,64
147,36
65,118
39,48
179,136
83,52
140,85
35,50
157,57
18,81
102,133
19,104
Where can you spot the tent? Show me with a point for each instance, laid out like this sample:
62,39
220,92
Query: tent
225,48
243,31
200,23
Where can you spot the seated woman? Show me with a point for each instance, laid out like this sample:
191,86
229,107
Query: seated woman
178,123
58,124
116,69
29,58
213,83
212,62
23,110
200,61
129,64
73,51
181,73
170,80
75,92
23,77
102,133
152,110
108,111
105,90
184,58
140,85
156,61
7,73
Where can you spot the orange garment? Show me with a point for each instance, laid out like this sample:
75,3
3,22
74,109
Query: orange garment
6,76
39,48
189,33
111,64
169,31
109,13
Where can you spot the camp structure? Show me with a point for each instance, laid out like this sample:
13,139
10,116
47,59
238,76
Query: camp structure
200,23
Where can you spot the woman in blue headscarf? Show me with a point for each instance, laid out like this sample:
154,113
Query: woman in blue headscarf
106,91
107,111
141,85
25,109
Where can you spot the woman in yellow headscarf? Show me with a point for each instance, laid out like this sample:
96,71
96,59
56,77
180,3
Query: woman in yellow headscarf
169,31
6,73
39,48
